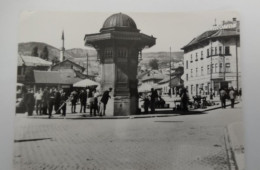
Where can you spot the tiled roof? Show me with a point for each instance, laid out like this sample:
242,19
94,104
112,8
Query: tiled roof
55,77
32,61
213,34
153,75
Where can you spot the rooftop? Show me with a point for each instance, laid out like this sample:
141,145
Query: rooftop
32,61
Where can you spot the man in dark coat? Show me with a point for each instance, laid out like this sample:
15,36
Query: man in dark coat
45,100
83,100
64,99
29,102
154,98
57,101
103,102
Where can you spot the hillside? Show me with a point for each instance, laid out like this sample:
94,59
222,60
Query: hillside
78,55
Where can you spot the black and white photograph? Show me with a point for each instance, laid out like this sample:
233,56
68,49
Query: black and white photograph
129,91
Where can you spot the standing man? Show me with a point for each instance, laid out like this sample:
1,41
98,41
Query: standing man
83,100
51,102
223,94
103,102
74,99
232,97
38,99
154,97
45,101
63,99
57,101
29,102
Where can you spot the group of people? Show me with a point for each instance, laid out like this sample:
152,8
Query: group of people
230,94
153,100
49,99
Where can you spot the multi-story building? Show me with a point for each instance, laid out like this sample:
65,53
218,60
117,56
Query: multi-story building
211,60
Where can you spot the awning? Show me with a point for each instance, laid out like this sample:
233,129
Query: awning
145,88
85,83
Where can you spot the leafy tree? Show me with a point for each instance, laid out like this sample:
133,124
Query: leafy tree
45,53
35,52
154,64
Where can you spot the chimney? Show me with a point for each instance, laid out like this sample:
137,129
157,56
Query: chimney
234,19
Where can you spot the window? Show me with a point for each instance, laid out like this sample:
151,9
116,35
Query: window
122,53
227,50
191,89
19,71
187,77
187,64
216,50
220,67
191,74
201,70
196,57
212,50
220,50
196,72
228,68
201,55
191,58
108,53
208,69
216,68
212,68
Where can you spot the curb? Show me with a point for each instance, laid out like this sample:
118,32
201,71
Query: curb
235,146
230,154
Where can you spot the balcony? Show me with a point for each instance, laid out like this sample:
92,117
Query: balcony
220,55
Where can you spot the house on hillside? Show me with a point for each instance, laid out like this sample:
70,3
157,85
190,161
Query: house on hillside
67,65
26,65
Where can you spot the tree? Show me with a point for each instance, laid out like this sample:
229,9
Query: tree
45,53
154,64
35,52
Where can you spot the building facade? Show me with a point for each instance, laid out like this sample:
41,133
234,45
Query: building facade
211,60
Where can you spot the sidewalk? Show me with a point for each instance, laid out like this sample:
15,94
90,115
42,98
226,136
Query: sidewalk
168,112
235,143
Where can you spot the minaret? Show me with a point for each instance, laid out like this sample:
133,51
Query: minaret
62,48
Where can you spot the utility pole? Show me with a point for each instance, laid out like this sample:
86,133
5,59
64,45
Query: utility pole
211,70
237,64
170,73
87,63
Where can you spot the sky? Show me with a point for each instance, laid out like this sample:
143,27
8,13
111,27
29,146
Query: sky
173,30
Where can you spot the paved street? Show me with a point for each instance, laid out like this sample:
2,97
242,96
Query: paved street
180,142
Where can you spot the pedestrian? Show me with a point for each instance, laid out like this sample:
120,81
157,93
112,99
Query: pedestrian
57,101
146,104
74,99
154,99
29,102
184,99
51,102
223,96
83,101
240,93
95,102
38,99
45,100
232,97
63,106
103,102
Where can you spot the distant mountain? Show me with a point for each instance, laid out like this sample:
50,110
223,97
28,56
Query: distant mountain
78,55
162,57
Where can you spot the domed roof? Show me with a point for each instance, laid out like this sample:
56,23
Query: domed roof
119,22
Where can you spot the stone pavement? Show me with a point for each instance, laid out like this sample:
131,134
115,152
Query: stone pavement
178,142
